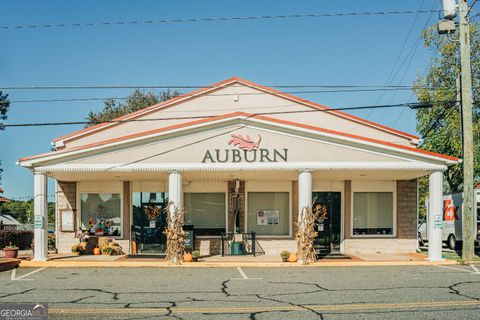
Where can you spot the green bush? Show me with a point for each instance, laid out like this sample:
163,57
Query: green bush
20,238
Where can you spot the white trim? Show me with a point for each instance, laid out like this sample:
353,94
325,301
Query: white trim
278,186
334,186
168,167
237,120
414,140
338,114
61,142
112,188
374,186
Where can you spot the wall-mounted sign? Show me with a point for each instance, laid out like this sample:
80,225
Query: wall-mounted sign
437,222
39,222
67,220
267,217
248,151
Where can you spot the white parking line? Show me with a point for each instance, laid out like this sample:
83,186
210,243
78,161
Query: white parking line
244,276
475,268
14,274
457,269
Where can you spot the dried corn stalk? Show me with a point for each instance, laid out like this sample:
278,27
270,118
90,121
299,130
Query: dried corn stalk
306,234
175,234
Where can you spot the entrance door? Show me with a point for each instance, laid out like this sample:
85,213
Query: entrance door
329,223
149,222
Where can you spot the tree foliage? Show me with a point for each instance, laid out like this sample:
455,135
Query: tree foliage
23,210
4,105
137,100
440,125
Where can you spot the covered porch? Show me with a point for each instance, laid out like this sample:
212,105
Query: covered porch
372,206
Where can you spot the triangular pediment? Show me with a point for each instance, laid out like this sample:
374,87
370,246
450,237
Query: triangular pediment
234,95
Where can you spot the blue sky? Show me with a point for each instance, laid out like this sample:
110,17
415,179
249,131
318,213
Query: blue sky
308,51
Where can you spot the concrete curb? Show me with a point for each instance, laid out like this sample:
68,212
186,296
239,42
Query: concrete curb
232,264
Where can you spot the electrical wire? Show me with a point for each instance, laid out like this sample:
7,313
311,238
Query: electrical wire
74,87
215,95
211,19
409,105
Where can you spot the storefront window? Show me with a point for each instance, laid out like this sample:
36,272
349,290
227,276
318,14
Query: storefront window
268,213
101,213
206,211
373,213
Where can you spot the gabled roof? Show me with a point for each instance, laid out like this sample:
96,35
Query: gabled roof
218,86
246,117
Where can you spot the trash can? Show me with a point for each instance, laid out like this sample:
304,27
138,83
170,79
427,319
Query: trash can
237,249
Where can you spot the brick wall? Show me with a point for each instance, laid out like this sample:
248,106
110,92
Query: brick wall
407,209
347,209
66,199
294,208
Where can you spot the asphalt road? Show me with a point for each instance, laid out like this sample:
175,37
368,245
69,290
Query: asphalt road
433,292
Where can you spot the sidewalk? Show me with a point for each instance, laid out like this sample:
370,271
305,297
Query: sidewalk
68,261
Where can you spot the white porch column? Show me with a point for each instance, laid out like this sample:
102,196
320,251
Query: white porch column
175,191
304,194
435,216
40,210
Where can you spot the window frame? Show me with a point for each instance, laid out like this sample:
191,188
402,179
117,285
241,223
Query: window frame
208,187
277,186
226,209
374,186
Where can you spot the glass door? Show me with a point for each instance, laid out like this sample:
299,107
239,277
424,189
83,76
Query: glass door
149,222
329,222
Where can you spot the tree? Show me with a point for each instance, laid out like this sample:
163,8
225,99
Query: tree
23,210
4,105
137,100
440,125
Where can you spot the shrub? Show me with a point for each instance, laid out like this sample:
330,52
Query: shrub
20,238
51,242
285,254
196,254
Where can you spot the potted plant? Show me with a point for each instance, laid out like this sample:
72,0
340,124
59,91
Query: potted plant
107,250
76,249
11,251
285,254
195,255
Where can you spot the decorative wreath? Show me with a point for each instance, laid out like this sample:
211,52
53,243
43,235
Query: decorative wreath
91,222
152,212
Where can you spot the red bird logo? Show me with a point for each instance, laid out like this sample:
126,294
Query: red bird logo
244,142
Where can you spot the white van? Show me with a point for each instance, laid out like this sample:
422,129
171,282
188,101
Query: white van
452,220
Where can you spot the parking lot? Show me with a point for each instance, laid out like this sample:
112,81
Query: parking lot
406,292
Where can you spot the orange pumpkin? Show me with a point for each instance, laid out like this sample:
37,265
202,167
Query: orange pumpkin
97,251
187,257
292,257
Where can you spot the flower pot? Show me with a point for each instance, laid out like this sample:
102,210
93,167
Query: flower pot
292,257
96,251
195,259
11,253
284,259
187,257
77,253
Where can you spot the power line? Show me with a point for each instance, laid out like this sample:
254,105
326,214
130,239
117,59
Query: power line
214,95
212,19
411,53
397,60
409,105
81,87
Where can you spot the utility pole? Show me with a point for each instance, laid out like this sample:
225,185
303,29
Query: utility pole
468,249
447,26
